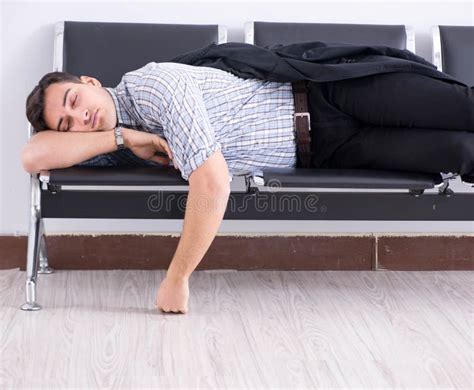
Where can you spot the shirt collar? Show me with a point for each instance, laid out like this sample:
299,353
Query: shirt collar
122,107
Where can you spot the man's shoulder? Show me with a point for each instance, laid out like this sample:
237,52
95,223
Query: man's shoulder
165,74
150,67
159,67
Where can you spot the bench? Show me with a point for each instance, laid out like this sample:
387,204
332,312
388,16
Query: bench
113,49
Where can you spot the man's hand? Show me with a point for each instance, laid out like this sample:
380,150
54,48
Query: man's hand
145,145
173,295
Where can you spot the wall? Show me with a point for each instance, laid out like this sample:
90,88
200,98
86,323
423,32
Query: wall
27,54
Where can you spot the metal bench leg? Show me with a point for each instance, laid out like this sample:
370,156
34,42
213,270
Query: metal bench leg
33,248
44,268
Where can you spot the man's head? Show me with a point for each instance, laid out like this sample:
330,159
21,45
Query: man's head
64,102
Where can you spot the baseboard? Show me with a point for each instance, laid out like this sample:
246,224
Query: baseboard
251,252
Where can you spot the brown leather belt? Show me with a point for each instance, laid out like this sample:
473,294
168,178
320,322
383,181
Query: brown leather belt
302,123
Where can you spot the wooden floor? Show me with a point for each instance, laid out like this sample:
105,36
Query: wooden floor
252,329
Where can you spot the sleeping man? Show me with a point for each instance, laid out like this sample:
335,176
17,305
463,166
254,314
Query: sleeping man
210,125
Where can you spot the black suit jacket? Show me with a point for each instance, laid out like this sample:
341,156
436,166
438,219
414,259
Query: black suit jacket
315,61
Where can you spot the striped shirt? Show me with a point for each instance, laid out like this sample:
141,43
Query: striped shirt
200,110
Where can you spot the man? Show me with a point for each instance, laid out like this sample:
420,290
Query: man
213,124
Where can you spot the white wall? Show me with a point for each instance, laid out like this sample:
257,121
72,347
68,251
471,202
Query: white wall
27,54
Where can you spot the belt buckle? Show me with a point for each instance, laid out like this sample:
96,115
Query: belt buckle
302,115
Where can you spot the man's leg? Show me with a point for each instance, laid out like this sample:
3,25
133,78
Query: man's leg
396,104
405,100
415,150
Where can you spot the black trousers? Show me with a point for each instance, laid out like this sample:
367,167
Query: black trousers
396,121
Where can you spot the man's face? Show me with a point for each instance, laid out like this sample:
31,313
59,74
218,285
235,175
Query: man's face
87,107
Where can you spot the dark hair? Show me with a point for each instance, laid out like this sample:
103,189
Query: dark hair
35,100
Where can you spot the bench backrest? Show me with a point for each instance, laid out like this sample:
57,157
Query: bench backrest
453,51
107,51
266,34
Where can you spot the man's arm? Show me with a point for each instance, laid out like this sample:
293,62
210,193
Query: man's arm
52,149
208,194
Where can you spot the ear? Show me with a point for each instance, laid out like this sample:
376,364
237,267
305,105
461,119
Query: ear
90,80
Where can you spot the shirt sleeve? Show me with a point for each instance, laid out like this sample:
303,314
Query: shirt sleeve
172,99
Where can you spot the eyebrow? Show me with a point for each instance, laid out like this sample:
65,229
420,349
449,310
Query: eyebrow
64,105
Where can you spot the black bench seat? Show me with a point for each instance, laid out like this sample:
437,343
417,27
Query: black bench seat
276,177
350,178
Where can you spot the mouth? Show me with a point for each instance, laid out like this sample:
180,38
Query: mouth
94,119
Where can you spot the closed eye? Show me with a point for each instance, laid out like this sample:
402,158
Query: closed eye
72,105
